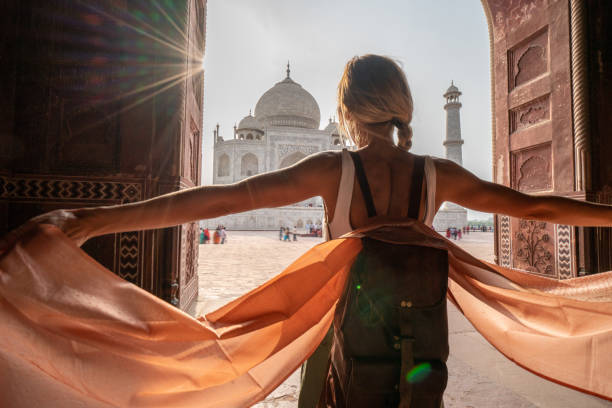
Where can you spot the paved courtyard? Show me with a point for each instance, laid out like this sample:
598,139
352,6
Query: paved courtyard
479,376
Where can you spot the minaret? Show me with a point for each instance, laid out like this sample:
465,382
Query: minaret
450,214
453,140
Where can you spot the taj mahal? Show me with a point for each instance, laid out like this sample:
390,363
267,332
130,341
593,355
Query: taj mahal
283,130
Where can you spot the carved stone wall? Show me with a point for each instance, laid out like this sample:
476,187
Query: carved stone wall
533,149
543,142
104,103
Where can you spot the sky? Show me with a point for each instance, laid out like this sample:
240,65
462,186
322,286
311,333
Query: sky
248,44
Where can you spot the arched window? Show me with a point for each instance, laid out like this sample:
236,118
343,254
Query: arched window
223,167
241,136
291,159
249,136
300,224
249,165
258,137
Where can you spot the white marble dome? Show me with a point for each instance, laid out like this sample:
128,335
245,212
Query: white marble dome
250,122
288,104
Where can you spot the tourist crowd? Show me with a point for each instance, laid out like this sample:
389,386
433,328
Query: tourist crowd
219,236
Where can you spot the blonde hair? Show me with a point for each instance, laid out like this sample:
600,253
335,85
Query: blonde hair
373,96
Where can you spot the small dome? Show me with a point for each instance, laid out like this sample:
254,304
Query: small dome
452,90
288,104
250,122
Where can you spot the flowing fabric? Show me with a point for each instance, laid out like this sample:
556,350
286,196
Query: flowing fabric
76,335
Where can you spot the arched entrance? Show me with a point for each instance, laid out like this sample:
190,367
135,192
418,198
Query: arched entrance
249,165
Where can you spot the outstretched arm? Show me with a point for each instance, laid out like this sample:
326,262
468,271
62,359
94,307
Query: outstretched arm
456,184
273,189
303,180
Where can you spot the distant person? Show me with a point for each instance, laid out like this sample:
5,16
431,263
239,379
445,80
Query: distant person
201,235
223,235
294,233
281,232
206,236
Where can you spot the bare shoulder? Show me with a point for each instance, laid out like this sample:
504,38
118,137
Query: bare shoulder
320,163
328,158
445,165
448,171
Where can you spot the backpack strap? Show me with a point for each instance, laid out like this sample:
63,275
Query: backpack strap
416,187
363,183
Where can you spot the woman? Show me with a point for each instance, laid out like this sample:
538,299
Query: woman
380,179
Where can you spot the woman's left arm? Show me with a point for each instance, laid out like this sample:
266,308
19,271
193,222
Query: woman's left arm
456,184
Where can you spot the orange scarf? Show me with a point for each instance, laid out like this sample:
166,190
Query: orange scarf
73,334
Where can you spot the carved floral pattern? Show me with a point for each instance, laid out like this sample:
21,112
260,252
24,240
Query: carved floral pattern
531,240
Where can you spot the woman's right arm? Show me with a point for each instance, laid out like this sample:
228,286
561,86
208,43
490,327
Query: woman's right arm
303,180
456,184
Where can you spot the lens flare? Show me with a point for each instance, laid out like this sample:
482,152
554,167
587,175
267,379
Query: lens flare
114,59
418,373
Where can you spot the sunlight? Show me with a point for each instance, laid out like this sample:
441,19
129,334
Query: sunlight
139,55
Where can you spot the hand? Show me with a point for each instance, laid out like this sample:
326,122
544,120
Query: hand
70,222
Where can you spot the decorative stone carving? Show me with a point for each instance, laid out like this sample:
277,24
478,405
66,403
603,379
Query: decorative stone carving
531,169
564,251
127,250
530,114
580,95
285,149
533,249
528,60
190,255
35,188
505,242
188,282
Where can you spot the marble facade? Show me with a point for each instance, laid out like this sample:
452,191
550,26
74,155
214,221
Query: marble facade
284,130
